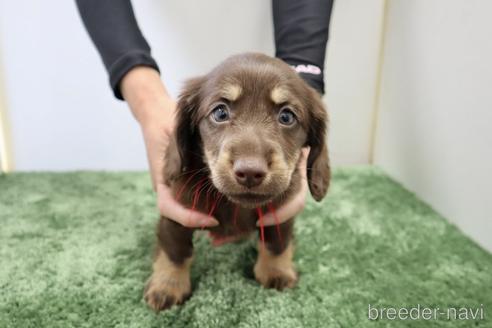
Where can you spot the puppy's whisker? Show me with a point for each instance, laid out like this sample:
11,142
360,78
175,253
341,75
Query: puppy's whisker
204,188
201,180
205,184
199,155
202,169
214,205
196,194
181,190
211,189
207,196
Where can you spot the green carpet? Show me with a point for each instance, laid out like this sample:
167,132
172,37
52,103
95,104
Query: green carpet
75,251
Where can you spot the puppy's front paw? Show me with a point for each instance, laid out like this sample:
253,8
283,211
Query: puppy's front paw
163,291
275,277
275,271
169,284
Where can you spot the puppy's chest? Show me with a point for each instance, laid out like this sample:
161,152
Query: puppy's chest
197,193
234,220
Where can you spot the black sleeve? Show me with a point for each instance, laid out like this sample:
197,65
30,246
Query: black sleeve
301,33
114,30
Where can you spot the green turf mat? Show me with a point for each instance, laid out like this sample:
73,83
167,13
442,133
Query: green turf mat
75,251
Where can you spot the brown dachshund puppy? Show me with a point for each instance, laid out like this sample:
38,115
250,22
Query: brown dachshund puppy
235,154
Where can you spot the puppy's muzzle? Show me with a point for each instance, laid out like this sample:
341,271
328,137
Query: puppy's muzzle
250,172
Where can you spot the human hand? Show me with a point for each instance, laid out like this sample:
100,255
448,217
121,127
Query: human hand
295,205
154,109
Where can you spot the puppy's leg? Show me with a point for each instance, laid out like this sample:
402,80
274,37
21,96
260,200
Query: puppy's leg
274,267
170,281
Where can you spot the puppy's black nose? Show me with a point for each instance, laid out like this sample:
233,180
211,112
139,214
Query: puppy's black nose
250,172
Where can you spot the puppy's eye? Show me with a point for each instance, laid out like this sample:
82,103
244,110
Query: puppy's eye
220,113
286,117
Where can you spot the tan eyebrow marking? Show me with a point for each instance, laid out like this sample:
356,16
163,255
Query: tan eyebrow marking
232,91
279,95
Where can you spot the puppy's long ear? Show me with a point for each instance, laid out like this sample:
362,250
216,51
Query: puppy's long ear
184,148
318,165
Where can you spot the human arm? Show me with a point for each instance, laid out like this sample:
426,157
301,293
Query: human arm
154,109
134,77
301,34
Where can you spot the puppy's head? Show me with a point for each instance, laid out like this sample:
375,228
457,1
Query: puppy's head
247,120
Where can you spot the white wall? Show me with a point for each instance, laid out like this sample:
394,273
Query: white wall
435,120
2,133
351,77
5,162
62,112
